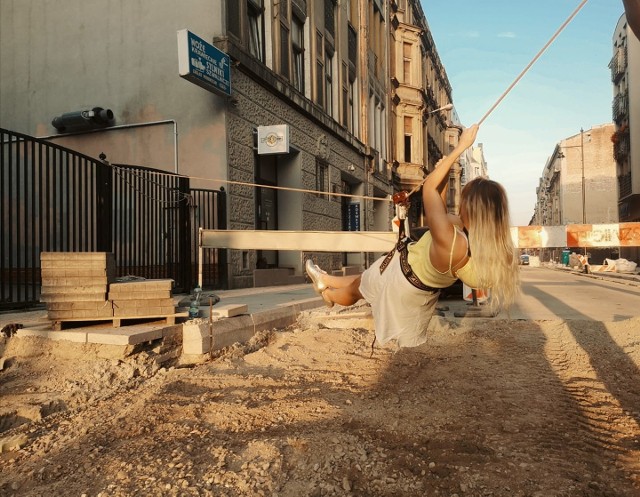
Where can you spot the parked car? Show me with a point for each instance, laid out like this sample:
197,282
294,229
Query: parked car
524,260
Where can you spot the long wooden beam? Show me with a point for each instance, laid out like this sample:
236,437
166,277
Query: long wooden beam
308,241
524,237
572,235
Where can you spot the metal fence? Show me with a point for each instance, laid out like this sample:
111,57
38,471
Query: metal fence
209,212
57,200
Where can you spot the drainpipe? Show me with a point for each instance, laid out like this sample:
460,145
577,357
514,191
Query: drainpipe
127,126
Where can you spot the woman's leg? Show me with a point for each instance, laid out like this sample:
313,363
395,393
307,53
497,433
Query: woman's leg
339,281
322,279
343,290
346,294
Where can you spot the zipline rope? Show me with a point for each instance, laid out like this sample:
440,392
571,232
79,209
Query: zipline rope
292,189
120,170
542,50
522,73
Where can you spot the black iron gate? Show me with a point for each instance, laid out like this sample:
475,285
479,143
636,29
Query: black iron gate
209,212
151,224
53,199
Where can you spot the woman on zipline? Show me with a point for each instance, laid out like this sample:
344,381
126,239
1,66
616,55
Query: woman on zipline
475,247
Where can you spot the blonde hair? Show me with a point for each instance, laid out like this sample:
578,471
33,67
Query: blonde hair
492,250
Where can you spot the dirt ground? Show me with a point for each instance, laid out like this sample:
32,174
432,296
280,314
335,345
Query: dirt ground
485,408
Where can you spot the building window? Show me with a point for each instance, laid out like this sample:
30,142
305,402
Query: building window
330,17
319,69
345,95
381,126
452,192
322,176
351,122
256,29
408,128
290,57
284,50
233,19
245,21
297,48
328,66
406,62
377,124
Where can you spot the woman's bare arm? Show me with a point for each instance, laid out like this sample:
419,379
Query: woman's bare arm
435,210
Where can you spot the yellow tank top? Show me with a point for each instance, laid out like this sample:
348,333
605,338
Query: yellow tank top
419,261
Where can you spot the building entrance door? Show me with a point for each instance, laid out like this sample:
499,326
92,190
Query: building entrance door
266,206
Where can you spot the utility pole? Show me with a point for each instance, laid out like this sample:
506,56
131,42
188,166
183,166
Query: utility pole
584,212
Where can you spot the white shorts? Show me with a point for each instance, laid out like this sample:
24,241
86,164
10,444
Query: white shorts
400,311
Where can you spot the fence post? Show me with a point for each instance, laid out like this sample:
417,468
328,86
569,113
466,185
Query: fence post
222,225
104,208
184,237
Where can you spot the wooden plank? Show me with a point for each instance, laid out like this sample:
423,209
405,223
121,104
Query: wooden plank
170,319
589,235
142,286
309,241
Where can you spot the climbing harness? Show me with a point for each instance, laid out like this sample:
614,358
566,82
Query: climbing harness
401,200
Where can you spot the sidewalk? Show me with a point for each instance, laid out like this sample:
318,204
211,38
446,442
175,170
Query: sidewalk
263,298
623,278
267,308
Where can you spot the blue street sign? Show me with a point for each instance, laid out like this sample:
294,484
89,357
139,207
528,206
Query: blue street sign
203,64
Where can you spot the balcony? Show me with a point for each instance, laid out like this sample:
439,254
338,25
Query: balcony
620,107
618,64
624,185
622,147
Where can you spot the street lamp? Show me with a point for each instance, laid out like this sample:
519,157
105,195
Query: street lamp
582,181
446,107
584,212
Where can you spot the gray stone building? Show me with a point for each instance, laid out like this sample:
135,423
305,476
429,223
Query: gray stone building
318,70
422,114
578,184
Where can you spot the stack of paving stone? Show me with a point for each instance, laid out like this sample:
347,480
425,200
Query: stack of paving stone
75,284
146,298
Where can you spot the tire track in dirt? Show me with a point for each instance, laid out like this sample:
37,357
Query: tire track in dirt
603,426
486,408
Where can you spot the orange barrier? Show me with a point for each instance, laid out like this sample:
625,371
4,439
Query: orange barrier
577,235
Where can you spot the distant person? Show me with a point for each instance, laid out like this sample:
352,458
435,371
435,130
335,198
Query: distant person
475,247
632,11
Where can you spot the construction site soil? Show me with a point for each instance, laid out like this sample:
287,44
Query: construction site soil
486,407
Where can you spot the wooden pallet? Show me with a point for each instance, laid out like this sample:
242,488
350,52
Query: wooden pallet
117,321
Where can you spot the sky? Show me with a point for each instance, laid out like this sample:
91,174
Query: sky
484,46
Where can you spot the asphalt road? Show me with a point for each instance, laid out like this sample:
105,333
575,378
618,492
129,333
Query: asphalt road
556,294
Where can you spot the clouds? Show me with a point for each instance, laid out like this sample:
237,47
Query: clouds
507,34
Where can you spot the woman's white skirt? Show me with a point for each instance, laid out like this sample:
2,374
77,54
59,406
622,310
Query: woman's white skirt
400,311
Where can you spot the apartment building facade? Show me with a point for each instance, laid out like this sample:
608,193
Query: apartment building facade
625,76
421,105
349,86
578,183
318,70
